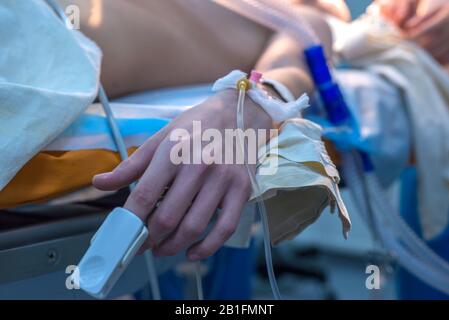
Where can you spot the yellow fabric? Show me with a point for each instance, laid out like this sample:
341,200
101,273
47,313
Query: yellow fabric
51,174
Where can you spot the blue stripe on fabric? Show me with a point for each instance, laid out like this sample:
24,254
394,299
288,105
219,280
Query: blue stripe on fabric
94,124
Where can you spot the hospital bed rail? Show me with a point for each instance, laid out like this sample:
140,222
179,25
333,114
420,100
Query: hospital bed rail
43,240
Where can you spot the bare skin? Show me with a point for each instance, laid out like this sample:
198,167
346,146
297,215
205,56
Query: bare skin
336,8
150,44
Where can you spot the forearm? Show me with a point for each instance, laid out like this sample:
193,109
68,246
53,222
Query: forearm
337,8
150,44
288,65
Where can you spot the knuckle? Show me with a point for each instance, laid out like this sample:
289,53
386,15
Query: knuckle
192,231
141,195
195,170
199,168
224,173
244,182
164,222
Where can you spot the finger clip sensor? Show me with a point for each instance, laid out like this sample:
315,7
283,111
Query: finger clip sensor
111,250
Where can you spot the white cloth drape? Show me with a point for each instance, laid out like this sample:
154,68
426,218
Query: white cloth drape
371,44
48,76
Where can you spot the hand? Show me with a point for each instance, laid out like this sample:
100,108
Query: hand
196,190
431,32
398,11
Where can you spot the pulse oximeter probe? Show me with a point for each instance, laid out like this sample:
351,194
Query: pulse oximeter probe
111,250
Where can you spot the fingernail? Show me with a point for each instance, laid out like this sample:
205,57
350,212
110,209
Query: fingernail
102,175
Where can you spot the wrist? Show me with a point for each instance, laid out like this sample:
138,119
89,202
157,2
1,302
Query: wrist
261,110
255,116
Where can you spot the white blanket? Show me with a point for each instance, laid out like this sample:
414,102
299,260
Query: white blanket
375,46
48,76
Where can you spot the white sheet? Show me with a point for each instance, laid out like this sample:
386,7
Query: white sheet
48,77
375,46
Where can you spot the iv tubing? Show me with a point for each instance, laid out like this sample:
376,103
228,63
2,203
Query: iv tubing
243,86
118,139
412,253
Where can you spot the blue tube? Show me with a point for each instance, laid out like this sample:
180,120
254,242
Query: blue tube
330,93
328,88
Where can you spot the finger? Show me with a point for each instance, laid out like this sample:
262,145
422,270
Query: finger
386,8
226,224
405,12
412,23
426,25
418,20
156,178
132,168
197,219
176,203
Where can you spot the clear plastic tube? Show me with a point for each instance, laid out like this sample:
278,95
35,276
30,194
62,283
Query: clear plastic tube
410,251
120,143
199,281
260,203
402,231
396,224
396,236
